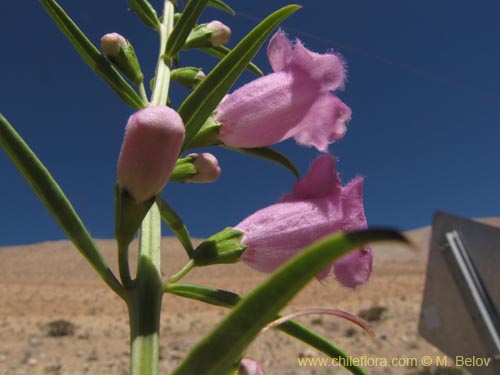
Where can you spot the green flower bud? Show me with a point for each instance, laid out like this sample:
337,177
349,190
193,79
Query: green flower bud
121,53
188,76
211,34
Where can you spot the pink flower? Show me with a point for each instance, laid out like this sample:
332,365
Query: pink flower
152,142
294,101
318,206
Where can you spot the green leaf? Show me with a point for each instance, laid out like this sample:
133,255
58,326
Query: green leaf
184,26
200,104
221,51
267,153
51,195
219,297
175,223
222,6
146,12
91,55
215,354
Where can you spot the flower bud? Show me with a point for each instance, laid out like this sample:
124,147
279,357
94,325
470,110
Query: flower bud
121,53
249,367
152,143
188,76
212,34
207,167
220,33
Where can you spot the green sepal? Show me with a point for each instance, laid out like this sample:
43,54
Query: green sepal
208,135
221,248
221,6
183,27
128,215
221,51
128,64
176,225
215,354
146,12
91,55
200,104
187,76
184,170
267,153
224,298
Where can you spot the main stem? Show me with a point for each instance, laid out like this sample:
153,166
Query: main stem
144,302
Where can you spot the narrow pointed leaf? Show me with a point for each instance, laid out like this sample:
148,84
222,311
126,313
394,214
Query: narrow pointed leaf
267,153
146,12
219,297
215,354
51,195
175,223
222,51
91,55
183,27
208,94
222,6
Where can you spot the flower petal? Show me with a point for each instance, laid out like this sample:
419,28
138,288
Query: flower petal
322,180
328,69
276,233
279,51
324,123
355,268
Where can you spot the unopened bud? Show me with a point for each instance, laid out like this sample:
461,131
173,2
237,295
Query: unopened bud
152,143
121,53
188,76
220,33
249,367
212,34
207,167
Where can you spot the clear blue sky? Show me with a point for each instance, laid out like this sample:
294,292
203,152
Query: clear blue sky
424,88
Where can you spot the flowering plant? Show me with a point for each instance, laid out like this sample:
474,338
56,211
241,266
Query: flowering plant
297,239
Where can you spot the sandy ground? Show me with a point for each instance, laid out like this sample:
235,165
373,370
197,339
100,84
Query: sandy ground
45,282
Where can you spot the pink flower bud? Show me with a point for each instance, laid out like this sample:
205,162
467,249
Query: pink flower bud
207,166
220,33
293,102
152,143
112,43
249,367
318,206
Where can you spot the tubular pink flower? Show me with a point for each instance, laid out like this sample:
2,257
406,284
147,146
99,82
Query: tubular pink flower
294,101
152,142
318,206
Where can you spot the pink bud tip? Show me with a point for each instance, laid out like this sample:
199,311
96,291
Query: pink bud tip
220,33
111,44
152,143
207,166
249,367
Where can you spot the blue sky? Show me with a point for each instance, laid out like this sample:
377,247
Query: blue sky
424,88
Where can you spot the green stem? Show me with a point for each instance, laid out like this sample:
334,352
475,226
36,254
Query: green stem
142,92
183,272
162,78
144,304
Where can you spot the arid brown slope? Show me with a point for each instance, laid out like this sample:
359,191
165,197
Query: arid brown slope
48,281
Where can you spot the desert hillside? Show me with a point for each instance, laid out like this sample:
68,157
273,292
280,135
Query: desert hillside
50,281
